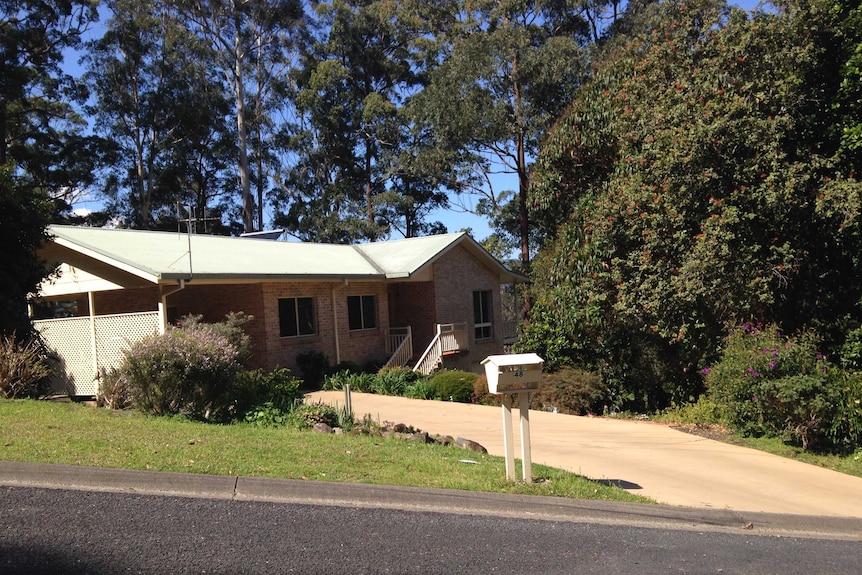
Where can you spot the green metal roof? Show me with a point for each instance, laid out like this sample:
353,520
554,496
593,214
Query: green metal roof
161,257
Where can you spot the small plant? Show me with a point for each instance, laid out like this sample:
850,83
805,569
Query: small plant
271,396
358,381
394,380
306,415
113,390
422,389
22,366
454,385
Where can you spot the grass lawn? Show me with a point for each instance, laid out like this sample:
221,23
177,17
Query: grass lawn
48,432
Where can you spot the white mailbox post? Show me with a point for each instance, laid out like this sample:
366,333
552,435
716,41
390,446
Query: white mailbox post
507,375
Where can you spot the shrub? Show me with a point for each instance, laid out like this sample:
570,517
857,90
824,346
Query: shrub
572,391
453,385
394,380
269,397
766,383
313,367
306,415
190,371
22,366
231,328
113,391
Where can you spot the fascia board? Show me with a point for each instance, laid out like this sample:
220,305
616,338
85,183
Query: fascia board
145,274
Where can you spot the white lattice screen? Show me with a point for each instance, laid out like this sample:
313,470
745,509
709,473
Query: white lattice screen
72,340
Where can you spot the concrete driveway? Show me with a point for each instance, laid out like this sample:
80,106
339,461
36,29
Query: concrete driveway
646,458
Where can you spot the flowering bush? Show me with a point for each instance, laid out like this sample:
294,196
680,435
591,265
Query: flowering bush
190,371
766,383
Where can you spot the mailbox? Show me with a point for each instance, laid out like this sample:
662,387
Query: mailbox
514,373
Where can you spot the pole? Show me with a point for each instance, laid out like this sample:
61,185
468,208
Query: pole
507,437
526,460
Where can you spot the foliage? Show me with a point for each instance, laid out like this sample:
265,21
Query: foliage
570,390
22,367
41,135
359,175
767,383
269,398
306,415
185,371
113,392
24,215
160,105
453,385
231,328
509,70
313,366
421,389
703,412
692,185
395,380
357,380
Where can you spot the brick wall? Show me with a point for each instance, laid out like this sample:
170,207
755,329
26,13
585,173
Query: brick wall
414,304
457,275
358,346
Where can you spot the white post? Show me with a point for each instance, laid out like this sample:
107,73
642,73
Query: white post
526,461
348,401
94,348
507,437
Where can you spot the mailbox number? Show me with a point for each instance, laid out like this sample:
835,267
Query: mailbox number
515,370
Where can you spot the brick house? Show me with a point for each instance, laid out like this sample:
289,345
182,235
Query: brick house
420,302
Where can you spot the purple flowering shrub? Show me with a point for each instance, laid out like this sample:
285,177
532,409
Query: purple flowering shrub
189,371
767,383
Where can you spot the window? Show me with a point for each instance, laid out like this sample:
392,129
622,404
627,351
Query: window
482,306
361,312
296,316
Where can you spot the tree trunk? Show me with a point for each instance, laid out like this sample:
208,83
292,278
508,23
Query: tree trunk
242,135
523,189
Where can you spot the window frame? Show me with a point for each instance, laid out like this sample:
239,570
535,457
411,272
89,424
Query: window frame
363,312
483,327
298,317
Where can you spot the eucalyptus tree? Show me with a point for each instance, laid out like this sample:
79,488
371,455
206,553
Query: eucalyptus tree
155,101
359,171
252,43
507,70
41,135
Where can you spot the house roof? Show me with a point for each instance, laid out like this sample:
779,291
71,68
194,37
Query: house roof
133,258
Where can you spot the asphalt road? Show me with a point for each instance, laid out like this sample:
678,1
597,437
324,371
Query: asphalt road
65,531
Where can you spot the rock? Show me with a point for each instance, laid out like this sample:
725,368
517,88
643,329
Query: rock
470,445
321,427
338,431
421,437
399,428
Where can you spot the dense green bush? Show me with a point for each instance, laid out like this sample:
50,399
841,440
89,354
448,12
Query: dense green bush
453,385
766,383
191,371
22,367
421,389
572,391
269,397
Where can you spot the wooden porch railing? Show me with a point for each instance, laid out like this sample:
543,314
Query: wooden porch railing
450,338
399,346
